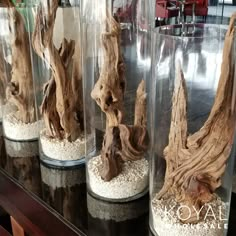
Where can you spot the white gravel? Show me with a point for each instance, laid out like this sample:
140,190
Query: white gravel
22,149
131,181
57,178
166,224
63,149
15,129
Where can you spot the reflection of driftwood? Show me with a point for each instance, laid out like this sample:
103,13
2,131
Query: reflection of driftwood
121,142
69,199
140,116
124,219
196,163
62,104
20,89
26,171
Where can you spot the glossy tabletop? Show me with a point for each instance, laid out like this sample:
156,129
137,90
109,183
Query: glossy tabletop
51,201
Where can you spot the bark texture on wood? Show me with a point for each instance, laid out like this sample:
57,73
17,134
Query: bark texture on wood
62,106
121,142
140,116
20,88
2,77
109,90
196,163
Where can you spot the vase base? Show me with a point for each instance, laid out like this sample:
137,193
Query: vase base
130,184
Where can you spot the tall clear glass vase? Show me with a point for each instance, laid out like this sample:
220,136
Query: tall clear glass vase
116,63
20,125
192,123
19,110
2,95
58,83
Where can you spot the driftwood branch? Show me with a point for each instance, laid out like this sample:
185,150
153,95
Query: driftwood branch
121,142
2,77
20,88
140,116
62,105
196,163
109,90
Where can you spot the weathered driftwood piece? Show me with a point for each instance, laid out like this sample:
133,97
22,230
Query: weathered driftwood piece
109,90
20,88
77,86
196,163
2,77
62,106
121,142
140,116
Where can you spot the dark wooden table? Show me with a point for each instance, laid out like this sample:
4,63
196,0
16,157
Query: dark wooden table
60,205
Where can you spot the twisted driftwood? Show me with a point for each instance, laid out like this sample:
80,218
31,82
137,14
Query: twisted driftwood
121,142
196,163
62,106
2,77
109,90
20,88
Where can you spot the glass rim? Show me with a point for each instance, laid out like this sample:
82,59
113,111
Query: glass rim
161,29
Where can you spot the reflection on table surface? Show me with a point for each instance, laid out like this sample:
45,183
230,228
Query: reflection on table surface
126,219
65,191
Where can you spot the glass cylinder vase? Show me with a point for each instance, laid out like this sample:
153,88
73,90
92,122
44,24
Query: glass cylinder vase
19,111
20,126
192,120
58,83
2,101
116,62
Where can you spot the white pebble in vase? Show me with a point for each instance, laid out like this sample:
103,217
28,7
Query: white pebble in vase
132,180
64,150
17,130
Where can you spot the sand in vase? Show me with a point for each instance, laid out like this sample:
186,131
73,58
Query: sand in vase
16,129
63,150
132,181
167,218
126,219
23,163
65,191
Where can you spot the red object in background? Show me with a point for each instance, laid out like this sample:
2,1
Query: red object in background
201,8
166,8
125,14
